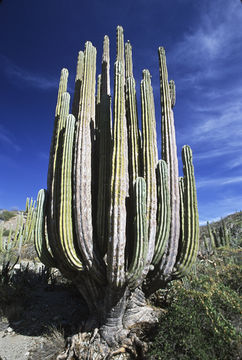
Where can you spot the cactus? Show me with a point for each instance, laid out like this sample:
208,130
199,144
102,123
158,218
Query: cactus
114,219
219,237
12,245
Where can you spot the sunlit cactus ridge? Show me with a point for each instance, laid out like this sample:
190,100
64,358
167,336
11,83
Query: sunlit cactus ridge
115,218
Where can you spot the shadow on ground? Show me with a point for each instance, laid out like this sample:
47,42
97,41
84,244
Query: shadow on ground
32,303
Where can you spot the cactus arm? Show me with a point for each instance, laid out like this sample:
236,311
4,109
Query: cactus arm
28,227
150,159
189,241
65,218
226,234
119,175
82,202
211,236
40,237
105,83
83,165
172,88
206,244
62,89
132,117
27,205
53,147
169,154
78,84
98,101
104,144
163,212
141,234
53,185
1,239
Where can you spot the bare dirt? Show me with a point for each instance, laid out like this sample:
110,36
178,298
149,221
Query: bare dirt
29,325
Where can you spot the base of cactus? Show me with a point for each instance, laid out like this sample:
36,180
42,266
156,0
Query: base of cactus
119,337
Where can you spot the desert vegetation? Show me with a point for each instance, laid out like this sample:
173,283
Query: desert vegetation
118,229
200,315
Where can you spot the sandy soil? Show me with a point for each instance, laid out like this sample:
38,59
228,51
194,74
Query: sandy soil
47,307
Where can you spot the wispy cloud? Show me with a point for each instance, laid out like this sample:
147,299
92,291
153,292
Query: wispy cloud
216,37
236,162
43,155
16,73
209,182
216,153
6,138
226,204
210,61
204,222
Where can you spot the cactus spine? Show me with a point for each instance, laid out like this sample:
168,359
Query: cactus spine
116,222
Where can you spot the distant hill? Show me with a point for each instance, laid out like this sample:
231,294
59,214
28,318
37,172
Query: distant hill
233,223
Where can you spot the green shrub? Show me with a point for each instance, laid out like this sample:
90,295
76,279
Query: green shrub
7,215
6,232
201,321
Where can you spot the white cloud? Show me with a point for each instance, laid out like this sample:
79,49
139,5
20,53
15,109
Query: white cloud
43,155
210,182
16,73
217,36
210,220
225,205
8,139
236,162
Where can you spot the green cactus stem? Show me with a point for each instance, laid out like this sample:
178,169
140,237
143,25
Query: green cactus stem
41,237
169,154
119,176
104,147
189,239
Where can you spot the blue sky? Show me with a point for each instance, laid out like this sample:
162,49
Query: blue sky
203,42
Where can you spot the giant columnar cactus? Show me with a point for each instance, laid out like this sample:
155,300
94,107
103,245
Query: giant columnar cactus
219,237
116,220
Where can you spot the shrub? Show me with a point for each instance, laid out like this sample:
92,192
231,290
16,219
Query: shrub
202,318
7,215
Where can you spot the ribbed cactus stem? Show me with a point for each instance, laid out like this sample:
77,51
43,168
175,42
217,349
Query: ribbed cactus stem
105,84
83,160
119,177
120,44
189,242
150,159
132,118
27,204
40,236
62,89
163,212
206,244
53,147
169,154
211,236
78,84
128,60
65,218
55,166
1,239
104,153
140,246
172,87
55,192
29,225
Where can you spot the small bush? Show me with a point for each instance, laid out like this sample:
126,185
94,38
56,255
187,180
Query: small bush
7,215
201,321
6,232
